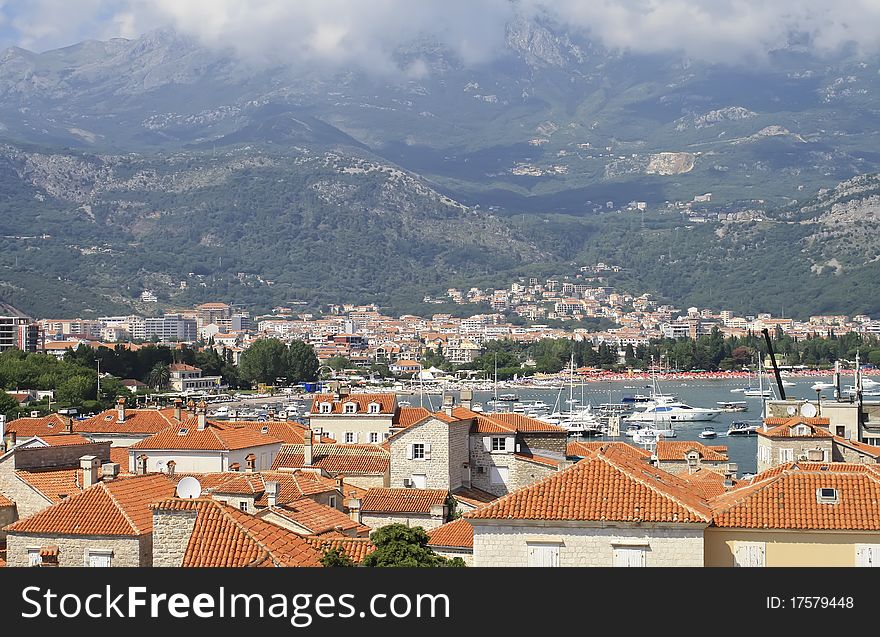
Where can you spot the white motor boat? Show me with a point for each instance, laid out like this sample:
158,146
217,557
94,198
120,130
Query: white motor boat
743,428
674,412
821,386
645,434
733,405
763,393
708,432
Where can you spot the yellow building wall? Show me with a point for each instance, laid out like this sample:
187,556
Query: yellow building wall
788,548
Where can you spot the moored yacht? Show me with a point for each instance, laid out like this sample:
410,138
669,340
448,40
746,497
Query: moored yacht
674,412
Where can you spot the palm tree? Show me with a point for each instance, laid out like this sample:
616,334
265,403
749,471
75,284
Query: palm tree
160,376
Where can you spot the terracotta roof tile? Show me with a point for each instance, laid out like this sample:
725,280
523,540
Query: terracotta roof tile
674,450
287,431
473,496
383,500
27,427
387,402
291,485
119,507
785,428
137,421
786,498
6,502
407,416
317,518
707,483
544,460
53,483
64,440
357,548
493,423
609,484
214,437
585,448
869,450
347,459
456,534
223,536
119,455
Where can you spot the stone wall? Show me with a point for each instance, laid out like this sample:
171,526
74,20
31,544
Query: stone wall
842,453
72,549
171,533
479,457
27,499
8,515
537,442
377,520
60,457
680,467
445,466
799,446
367,481
507,545
525,472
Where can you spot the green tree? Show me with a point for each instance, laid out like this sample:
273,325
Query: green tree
77,389
8,404
398,545
336,558
160,376
338,363
302,363
264,361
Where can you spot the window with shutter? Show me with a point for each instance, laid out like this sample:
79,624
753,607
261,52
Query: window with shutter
868,555
509,444
749,554
542,555
487,443
630,556
99,559
409,452
786,455
427,451
33,557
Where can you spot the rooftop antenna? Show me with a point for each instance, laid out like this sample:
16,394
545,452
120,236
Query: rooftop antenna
188,488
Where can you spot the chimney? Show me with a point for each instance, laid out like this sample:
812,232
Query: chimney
467,398
271,415
171,465
191,406
68,424
251,460
272,492
439,511
235,467
89,466
354,510
344,392
2,432
178,407
340,484
308,447
202,414
120,410
142,464
49,556
13,438
110,471
448,404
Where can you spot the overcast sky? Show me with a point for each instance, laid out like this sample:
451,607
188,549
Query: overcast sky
366,31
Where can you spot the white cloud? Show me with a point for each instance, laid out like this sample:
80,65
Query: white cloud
366,32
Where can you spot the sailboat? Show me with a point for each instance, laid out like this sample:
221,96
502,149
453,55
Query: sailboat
760,391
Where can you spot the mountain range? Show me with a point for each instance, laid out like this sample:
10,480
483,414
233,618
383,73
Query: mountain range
156,163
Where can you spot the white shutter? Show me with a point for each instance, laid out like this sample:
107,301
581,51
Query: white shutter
357,436
487,443
508,444
427,451
543,555
409,452
629,556
868,555
99,560
749,554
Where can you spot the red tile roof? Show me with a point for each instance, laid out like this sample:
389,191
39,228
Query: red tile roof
6,502
773,422
707,483
291,485
183,367
52,483
585,448
868,450
785,429
337,459
223,536
137,421
473,496
387,402
786,498
609,484
499,423
64,440
317,518
287,431
357,548
119,455
407,416
27,427
214,437
383,500
457,534
119,507
675,450
544,460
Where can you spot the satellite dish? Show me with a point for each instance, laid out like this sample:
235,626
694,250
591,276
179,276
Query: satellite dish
808,410
791,410
160,465
189,488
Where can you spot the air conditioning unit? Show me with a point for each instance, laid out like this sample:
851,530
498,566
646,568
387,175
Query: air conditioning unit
407,482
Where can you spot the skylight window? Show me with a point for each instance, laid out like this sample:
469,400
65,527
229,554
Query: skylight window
827,495
183,431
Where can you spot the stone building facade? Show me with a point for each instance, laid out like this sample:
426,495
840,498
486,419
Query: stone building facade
431,454
81,550
171,532
796,440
